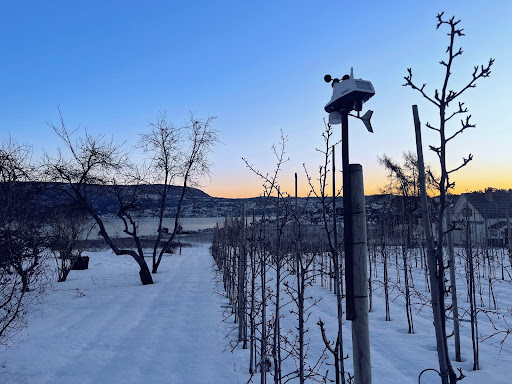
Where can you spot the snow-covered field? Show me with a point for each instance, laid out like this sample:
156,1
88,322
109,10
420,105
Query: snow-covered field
102,326
399,357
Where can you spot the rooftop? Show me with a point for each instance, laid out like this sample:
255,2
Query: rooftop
491,204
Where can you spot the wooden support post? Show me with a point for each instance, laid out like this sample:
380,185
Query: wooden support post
509,237
242,330
360,326
431,257
453,283
300,287
347,209
225,255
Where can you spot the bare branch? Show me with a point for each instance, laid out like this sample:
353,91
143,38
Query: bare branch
464,125
408,82
431,127
465,161
462,109
479,72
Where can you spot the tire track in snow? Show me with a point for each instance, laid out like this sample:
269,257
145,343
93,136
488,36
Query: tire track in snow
183,341
102,333
191,332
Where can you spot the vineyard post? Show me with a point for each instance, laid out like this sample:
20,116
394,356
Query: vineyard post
451,256
360,326
431,257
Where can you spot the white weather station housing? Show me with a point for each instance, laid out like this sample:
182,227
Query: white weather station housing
349,94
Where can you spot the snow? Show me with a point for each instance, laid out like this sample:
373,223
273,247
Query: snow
103,326
123,332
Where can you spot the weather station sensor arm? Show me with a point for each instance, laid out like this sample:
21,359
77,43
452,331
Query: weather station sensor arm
365,119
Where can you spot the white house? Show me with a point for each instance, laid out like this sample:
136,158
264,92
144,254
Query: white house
488,214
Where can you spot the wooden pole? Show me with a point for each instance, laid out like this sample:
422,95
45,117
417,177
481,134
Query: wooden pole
431,255
453,283
509,237
300,288
347,224
225,255
360,326
242,334
277,324
263,273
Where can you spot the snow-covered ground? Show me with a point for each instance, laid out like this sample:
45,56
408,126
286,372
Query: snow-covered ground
399,357
102,326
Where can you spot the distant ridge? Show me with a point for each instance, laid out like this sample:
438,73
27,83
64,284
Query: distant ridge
196,203
104,199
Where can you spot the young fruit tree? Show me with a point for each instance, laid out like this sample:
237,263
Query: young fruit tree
331,230
442,99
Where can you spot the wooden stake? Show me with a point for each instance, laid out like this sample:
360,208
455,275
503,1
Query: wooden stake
360,326
451,256
431,256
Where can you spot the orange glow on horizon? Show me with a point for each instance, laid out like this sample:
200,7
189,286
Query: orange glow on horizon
373,186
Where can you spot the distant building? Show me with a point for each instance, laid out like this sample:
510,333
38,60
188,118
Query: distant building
489,213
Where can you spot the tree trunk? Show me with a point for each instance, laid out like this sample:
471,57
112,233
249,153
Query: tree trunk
145,275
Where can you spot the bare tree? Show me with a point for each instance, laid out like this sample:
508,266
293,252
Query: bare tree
22,234
92,161
470,277
274,244
441,100
404,182
330,227
21,238
67,231
177,155
271,253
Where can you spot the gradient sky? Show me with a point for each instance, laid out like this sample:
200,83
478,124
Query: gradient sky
259,67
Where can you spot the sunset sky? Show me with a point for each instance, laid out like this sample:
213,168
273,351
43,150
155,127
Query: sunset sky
258,66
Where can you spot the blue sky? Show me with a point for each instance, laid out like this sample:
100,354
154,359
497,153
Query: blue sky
259,67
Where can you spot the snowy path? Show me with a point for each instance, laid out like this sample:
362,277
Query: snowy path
122,332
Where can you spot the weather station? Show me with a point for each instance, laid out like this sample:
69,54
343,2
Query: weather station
349,94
